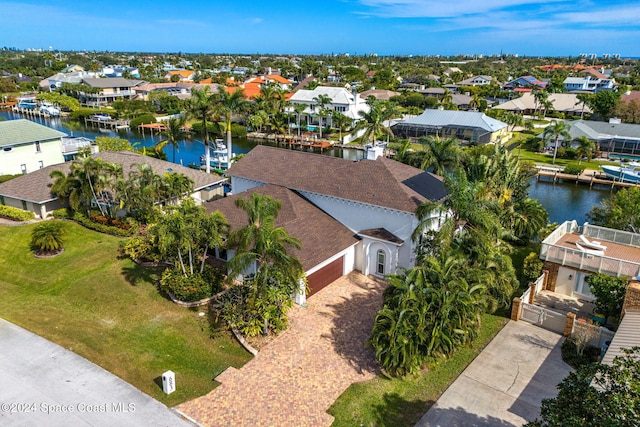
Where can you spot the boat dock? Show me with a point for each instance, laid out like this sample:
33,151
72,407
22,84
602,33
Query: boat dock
9,105
107,123
588,176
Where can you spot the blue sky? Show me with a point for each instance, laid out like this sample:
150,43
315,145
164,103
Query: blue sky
385,27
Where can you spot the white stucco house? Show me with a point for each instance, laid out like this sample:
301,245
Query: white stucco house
342,101
27,146
348,215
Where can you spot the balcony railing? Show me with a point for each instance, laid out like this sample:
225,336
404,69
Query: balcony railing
584,261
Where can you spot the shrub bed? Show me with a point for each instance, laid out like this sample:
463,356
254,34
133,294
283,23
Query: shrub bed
574,169
575,360
102,228
192,287
15,213
62,213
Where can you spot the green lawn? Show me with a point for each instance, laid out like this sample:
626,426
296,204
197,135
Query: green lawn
401,402
108,310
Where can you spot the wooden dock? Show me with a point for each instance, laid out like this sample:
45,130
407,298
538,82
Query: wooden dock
9,105
589,177
107,124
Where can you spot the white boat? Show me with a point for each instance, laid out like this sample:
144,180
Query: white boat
49,108
101,117
220,147
626,173
27,103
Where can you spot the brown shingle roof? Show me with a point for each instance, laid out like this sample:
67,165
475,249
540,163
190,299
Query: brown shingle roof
35,186
382,182
382,234
320,235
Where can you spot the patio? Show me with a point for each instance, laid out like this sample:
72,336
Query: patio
565,304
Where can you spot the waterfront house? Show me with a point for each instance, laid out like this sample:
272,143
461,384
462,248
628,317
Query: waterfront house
342,100
567,103
474,127
105,91
32,191
375,200
27,146
571,253
611,137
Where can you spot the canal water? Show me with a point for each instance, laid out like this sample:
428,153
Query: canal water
563,201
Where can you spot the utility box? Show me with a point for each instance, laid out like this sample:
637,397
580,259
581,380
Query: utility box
169,382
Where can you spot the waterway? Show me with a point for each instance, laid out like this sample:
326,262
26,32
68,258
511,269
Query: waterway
563,201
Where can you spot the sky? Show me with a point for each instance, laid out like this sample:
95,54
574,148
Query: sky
356,27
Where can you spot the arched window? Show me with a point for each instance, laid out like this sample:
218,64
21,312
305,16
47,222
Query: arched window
380,262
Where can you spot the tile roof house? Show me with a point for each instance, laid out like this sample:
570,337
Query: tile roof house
562,102
26,146
374,199
32,191
342,100
469,126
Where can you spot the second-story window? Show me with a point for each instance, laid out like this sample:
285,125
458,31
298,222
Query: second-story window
38,147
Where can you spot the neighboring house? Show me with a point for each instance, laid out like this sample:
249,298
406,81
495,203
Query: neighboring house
183,75
436,92
474,127
119,70
32,192
57,80
28,146
181,90
569,261
562,102
107,90
610,137
379,94
462,100
588,84
374,199
342,100
476,81
274,79
524,82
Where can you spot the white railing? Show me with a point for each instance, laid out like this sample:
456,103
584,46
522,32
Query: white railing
584,261
611,235
543,317
566,227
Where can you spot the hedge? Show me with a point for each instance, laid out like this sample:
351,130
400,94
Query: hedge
107,229
193,287
142,120
15,213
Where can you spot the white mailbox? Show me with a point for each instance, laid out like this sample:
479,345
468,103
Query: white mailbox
169,382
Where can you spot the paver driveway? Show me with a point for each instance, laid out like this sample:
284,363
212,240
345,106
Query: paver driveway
294,380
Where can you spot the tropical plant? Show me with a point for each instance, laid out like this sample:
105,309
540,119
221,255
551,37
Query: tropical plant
609,291
619,211
554,132
596,394
173,134
373,121
226,105
440,154
202,106
263,248
586,148
48,237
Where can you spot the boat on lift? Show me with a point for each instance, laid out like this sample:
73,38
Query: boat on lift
629,172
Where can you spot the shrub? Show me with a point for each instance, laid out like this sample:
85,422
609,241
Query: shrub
532,267
574,169
142,120
571,357
15,213
62,213
609,292
48,237
114,231
238,130
191,287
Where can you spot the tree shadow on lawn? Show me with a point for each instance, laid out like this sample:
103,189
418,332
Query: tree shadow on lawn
394,410
353,318
459,417
135,274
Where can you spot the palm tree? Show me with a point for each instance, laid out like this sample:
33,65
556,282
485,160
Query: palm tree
174,133
262,245
540,97
441,154
202,107
586,148
321,101
341,121
554,132
228,104
48,237
299,109
72,126
373,121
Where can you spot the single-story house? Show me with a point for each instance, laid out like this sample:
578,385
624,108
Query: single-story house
611,137
32,192
562,102
475,127
373,200
476,81
525,82
27,146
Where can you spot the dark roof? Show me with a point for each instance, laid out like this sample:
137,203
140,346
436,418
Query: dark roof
378,182
36,186
111,82
320,235
382,234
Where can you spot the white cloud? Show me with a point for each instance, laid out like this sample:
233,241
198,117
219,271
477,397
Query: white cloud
256,21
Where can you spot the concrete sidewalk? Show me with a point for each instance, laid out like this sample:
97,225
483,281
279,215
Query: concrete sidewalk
504,386
42,384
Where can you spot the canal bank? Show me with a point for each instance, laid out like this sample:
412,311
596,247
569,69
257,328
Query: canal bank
563,200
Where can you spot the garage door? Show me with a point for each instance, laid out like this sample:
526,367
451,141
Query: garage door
325,275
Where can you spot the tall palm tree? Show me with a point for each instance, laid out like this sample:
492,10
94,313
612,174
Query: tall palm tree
321,102
586,148
373,121
202,106
554,132
173,134
440,154
264,246
228,104
299,109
